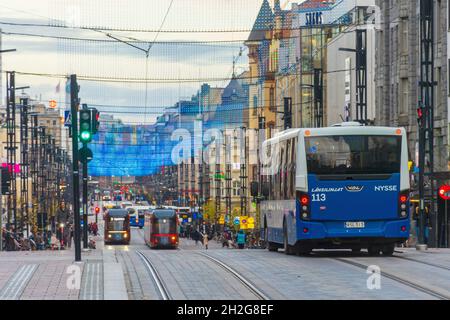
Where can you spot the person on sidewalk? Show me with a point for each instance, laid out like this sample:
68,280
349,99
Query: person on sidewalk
241,239
94,228
63,219
205,241
196,235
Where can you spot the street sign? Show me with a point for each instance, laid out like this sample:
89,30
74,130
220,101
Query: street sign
67,118
237,221
244,222
444,192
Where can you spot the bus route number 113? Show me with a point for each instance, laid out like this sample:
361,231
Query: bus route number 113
319,197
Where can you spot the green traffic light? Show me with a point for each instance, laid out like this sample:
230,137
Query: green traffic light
85,136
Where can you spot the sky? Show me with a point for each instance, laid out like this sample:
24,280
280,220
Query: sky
177,68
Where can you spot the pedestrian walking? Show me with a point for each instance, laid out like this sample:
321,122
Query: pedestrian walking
205,241
196,236
241,239
63,219
94,229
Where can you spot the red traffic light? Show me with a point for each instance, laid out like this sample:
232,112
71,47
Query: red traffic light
97,210
419,113
444,192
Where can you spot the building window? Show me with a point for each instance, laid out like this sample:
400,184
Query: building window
404,36
272,99
404,96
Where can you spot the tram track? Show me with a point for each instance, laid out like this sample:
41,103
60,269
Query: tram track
408,283
246,283
423,262
159,282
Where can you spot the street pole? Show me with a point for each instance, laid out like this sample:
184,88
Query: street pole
74,103
85,195
1,213
446,224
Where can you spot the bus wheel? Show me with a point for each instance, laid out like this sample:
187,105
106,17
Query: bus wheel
269,245
388,250
303,250
373,251
288,249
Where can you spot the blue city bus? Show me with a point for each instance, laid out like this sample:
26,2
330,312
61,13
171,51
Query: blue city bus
342,187
137,216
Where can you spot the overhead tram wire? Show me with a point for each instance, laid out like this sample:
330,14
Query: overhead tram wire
133,40
130,30
150,80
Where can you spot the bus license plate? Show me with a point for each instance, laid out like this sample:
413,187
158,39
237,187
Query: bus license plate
355,225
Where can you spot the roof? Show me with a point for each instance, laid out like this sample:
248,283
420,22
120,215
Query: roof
264,22
313,4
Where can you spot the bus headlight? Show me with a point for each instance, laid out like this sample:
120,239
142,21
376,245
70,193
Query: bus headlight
109,236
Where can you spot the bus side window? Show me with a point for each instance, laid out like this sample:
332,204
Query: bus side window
293,168
286,174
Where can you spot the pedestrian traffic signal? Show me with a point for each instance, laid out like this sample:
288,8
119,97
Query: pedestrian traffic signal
420,114
85,126
95,116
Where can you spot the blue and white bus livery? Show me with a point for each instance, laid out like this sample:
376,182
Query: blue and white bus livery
344,187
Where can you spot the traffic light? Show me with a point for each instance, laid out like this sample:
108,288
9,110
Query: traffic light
97,210
95,116
420,111
6,181
85,126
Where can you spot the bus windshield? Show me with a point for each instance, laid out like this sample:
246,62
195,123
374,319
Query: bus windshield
116,224
353,154
164,214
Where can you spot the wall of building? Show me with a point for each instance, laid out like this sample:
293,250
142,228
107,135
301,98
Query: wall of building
398,72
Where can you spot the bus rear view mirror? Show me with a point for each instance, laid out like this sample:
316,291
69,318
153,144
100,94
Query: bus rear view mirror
254,186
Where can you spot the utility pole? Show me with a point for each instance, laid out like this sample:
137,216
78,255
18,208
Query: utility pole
85,195
425,112
11,145
42,185
318,98
243,171
74,104
24,163
228,178
287,113
1,211
361,75
218,182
